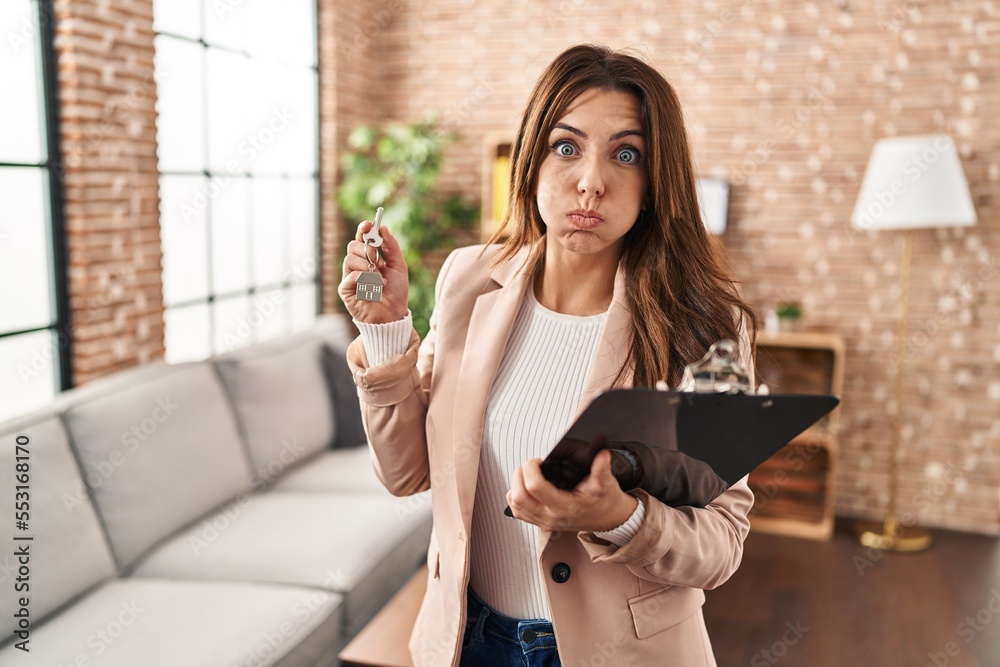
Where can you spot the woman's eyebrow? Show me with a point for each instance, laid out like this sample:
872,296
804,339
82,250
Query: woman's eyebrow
626,133
570,128
614,137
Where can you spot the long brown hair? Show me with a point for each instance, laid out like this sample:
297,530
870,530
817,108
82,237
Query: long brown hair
680,297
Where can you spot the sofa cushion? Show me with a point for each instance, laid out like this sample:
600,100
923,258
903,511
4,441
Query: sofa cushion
338,332
350,427
282,401
339,470
61,520
160,448
362,545
155,623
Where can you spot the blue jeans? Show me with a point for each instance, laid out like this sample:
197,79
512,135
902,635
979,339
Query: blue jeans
494,640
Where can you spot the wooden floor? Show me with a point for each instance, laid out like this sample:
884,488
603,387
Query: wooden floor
817,604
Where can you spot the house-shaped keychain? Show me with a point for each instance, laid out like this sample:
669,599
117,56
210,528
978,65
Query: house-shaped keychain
369,286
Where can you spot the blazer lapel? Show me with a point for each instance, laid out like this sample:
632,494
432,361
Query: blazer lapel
489,329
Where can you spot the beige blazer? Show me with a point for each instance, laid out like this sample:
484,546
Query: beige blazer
636,605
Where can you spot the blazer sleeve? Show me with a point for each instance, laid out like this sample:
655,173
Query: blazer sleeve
394,397
686,546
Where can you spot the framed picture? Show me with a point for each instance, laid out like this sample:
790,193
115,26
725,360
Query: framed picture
713,199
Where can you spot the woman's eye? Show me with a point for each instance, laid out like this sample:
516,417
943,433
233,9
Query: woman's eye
628,155
565,149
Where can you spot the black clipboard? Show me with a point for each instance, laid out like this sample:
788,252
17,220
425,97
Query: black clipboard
689,447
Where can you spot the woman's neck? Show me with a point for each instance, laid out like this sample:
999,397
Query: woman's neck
576,284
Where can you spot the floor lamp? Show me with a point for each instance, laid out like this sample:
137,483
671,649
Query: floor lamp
910,183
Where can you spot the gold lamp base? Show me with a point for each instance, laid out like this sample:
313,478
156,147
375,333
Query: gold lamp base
890,536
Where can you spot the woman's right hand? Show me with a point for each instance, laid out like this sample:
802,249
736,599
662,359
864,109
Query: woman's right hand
395,292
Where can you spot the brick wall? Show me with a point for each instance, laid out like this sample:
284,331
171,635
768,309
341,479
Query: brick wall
107,95
785,100
104,57
352,92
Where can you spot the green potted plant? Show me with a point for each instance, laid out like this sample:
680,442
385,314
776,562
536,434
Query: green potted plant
396,166
789,315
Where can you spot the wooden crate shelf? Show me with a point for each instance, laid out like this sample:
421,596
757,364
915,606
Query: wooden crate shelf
794,489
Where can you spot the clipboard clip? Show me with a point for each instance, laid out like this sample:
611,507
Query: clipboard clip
718,372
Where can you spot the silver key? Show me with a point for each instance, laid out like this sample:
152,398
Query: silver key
372,237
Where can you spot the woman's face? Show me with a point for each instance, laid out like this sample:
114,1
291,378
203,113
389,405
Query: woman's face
592,182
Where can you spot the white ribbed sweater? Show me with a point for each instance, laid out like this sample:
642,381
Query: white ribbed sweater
531,404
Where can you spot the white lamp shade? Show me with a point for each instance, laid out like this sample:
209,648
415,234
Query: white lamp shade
914,182
713,200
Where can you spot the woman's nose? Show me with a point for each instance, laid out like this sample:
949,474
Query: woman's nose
591,177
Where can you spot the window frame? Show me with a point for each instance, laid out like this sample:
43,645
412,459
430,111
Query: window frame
287,283
52,167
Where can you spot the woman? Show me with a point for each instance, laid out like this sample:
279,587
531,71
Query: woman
602,276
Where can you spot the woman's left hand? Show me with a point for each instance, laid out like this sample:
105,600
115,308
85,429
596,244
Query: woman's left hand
597,503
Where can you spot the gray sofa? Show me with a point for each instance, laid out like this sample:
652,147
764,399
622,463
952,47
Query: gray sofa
220,513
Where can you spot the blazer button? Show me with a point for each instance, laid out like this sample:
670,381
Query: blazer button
560,573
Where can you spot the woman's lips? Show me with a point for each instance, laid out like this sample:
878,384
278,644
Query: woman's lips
586,220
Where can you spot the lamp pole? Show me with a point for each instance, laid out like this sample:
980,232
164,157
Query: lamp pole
890,535
887,201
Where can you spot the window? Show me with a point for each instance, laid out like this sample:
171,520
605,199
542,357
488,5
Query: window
237,147
34,338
